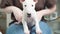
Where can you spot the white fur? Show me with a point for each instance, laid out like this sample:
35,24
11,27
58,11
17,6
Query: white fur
0,32
28,9
25,19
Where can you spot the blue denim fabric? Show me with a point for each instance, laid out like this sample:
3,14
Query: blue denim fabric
18,29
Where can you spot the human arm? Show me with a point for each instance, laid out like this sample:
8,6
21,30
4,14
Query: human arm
9,6
16,11
51,7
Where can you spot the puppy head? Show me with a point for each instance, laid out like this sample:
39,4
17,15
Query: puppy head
29,5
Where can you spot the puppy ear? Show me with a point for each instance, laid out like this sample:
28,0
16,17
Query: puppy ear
22,1
35,1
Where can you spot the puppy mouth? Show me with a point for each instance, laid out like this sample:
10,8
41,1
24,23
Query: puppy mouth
28,16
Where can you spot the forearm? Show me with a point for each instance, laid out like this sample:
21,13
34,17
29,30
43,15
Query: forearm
16,11
10,9
6,10
48,11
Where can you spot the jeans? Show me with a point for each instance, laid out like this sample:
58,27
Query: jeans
18,29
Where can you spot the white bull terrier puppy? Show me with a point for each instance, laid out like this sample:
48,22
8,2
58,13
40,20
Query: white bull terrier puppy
30,16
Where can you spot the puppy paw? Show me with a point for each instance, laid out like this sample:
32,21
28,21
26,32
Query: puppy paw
38,31
27,32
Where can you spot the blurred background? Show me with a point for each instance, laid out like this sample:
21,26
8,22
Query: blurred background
53,20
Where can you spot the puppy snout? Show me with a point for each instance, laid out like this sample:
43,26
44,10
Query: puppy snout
28,14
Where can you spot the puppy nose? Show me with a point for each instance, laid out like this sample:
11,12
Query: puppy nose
28,14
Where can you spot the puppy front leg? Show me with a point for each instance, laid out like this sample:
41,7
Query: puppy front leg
26,31
38,30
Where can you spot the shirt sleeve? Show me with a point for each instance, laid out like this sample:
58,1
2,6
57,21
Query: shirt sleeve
5,3
50,3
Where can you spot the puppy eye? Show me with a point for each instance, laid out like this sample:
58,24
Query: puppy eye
32,5
25,5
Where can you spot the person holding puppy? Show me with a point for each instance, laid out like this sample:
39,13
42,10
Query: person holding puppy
17,15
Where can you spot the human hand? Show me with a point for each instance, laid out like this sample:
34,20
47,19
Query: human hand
39,15
17,13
